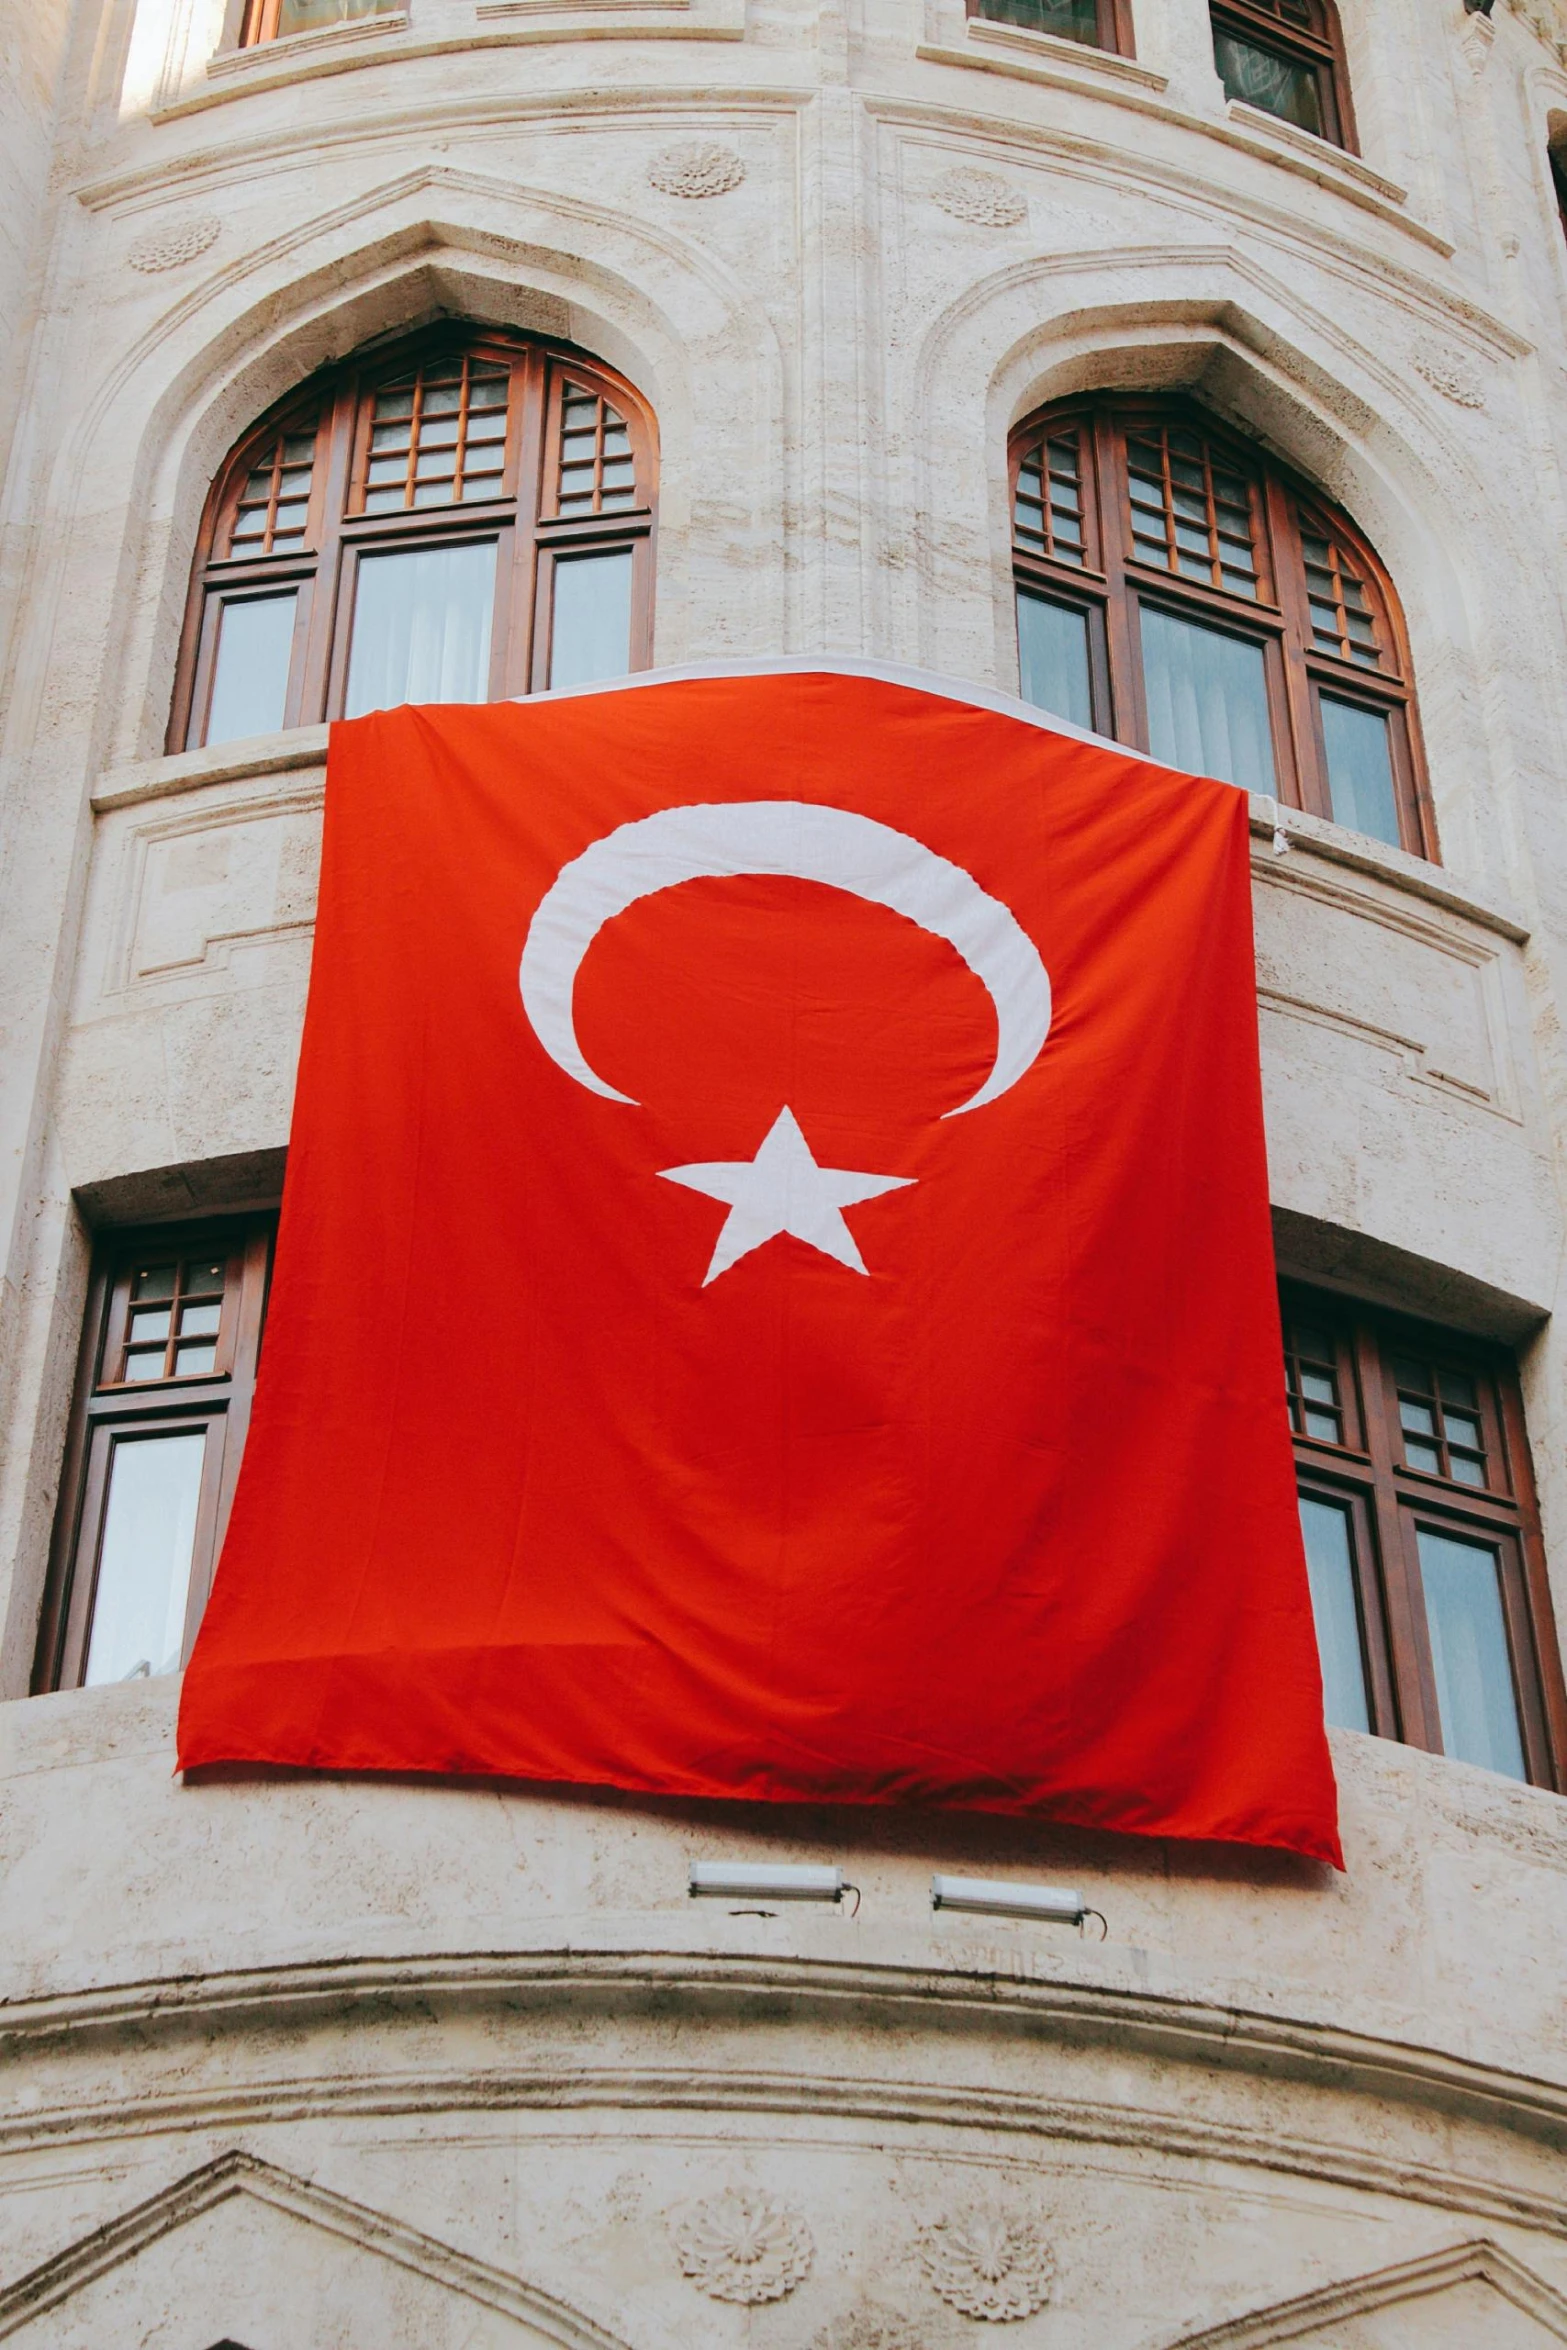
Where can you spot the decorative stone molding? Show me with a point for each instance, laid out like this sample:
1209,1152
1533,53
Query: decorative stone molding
1450,375
742,2245
181,240
867,2328
980,196
696,167
989,2260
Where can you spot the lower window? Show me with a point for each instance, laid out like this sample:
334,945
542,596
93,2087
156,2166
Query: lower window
1422,1540
168,1364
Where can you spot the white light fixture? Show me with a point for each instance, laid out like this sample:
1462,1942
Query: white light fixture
998,1899
750,1880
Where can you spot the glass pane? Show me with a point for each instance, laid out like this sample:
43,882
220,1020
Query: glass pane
1418,1418
1207,700
200,1321
191,1360
1474,1682
1072,20
149,1527
250,674
592,632
1409,1373
155,1281
1330,1564
1323,1425
1280,85
422,627
1465,1470
306,16
1052,652
151,1324
1423,1456
139,1368
1360,769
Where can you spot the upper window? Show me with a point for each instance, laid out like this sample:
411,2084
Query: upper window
168,1363
1422,1538
1286,56
1101,24
1181,593
274,20
466,517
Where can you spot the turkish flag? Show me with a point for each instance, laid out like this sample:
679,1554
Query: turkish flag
775,1289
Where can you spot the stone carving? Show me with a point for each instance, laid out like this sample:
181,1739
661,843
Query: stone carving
1450,375
988,2260
696,167
980,196
182,240
870,2329
742,2245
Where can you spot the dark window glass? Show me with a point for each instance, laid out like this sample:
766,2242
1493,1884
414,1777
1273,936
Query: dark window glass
1203,606
1284,86
1286,57
1102,24
275,20
1422,1539
168,1365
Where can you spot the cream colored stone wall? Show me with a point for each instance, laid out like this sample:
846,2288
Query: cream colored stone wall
328,2065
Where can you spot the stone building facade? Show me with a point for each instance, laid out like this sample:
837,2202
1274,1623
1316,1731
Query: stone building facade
323,2065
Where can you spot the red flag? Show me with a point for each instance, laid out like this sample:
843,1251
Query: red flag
775,1290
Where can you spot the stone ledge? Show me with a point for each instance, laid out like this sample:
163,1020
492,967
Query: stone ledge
1334,162
1079,56
1356,852
299,48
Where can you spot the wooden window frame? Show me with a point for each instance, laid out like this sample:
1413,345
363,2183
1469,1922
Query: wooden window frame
1321,50
106,1410
337,406
1115,32
255,22
1113,583
1390,1502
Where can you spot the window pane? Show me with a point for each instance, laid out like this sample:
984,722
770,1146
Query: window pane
1330,1564
1052,652
1207,700
149,1527
1360,769
250,674
1280,85
1474,1682
592,628
1073,20
304,16
422,627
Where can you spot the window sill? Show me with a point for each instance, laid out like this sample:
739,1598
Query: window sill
1052,49
1335,844
1334,162
186,771
297,47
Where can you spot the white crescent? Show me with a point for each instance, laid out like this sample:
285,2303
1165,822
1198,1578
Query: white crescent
804,842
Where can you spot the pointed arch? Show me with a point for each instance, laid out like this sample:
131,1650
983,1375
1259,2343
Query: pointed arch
455,515
1181,590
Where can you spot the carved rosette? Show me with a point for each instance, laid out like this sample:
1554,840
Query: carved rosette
742,2245
980,196
166,248
696,167
989,2260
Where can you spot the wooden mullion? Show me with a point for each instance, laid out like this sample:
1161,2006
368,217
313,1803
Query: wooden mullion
1106,485
1414,1688
48,1656
1305,787
1537,1582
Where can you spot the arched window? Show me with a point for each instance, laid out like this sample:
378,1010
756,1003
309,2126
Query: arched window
1180,592
451,520
1286,56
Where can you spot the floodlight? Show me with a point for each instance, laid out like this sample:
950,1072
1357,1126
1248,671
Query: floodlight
998,1899
769,1880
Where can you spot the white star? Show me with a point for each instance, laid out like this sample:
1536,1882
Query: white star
783,1190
